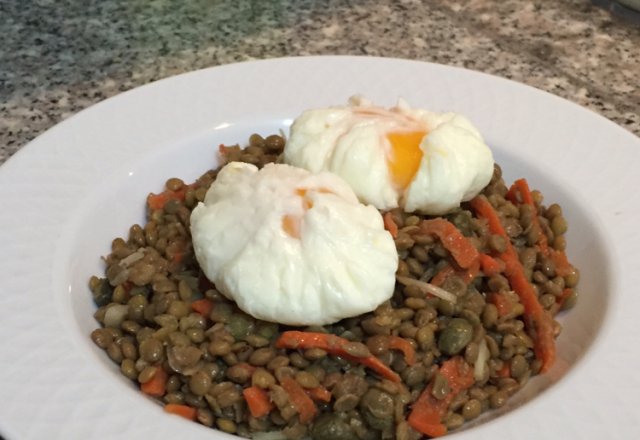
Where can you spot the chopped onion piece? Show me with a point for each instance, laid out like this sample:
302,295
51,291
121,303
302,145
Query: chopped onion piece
120,278
481,363
271,435
115,315
428,288
133,258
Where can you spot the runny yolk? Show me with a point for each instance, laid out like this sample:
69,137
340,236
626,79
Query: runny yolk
291,223
407,155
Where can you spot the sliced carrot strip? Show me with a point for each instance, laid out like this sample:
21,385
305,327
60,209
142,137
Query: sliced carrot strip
525,193
452,239
489,265
457,380
390,225
157,201
376,365
319,393
305,406
203,306
182,410
307,340
433,430
258,401
427,412
502,304
466,275
157,386
563,267
398,343
441,276
538,322
505,371
333,345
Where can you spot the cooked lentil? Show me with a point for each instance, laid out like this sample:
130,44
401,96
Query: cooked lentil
154,277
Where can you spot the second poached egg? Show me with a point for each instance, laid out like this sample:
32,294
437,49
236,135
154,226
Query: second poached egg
408,157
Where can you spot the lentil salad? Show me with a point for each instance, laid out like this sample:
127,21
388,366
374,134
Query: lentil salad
444,359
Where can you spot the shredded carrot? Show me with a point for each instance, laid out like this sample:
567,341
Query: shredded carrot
203,306
433,430
502,304
307,340
376,365
177,257
398,343
525,192
182,410
452,239
490,266
333,345
258,401
157,386
458,381
305,406
466,275
563,267
441,276
523,188
505,371
319,393
157,201
427,412
390,225
538,322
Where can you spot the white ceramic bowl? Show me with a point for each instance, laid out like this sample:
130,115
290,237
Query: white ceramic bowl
84,183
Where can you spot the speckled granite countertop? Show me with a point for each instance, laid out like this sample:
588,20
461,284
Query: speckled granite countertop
58,57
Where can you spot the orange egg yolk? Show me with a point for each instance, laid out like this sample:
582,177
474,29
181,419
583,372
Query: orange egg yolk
291,223
406,158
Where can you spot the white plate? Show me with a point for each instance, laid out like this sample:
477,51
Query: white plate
73,189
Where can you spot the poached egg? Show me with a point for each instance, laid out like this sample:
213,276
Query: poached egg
293,247
403,157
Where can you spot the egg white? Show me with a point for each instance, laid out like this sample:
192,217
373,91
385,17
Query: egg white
343,264
351,142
